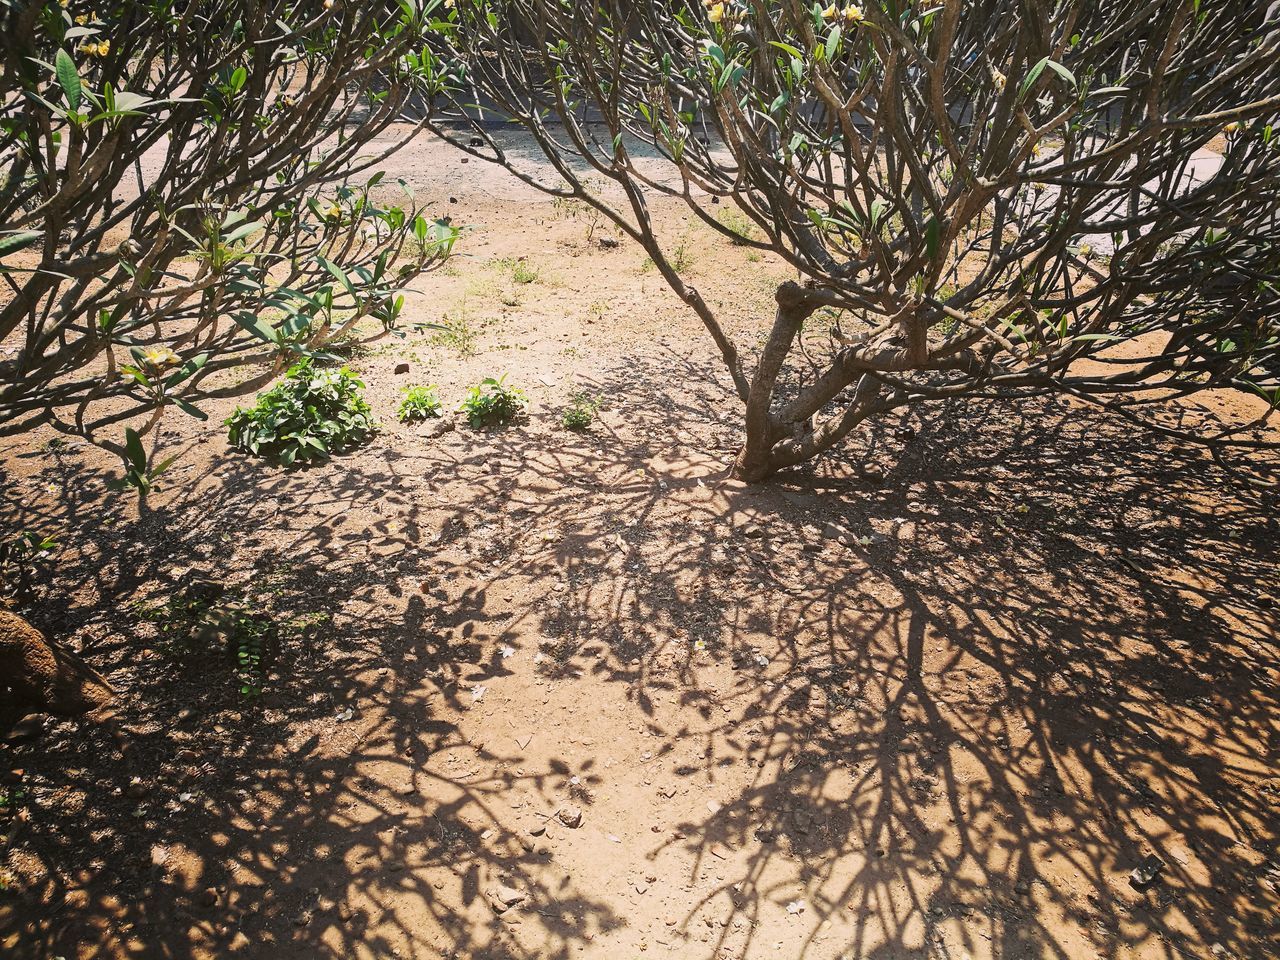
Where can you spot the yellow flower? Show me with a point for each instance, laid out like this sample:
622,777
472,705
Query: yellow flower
998,78
852,13
104,48
334,211
716,13
159,357
1231,129
82,19
830,13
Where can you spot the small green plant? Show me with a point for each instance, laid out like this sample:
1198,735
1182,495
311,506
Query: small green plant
251,636
681,258
492,401
419,403
738,223
580,413
522,273
199,618
20,556
11,799
308,416
457,333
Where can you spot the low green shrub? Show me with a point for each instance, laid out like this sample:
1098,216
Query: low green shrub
306,417
492,401
580,413
419,403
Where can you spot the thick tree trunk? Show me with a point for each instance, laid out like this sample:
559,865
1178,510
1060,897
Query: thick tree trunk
755,460
38,677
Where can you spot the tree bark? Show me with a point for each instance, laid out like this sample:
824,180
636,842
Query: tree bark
38,677
755,459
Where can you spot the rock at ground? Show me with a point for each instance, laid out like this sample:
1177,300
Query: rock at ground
1146,873
437,427
570,816
37,676
402,368
503,898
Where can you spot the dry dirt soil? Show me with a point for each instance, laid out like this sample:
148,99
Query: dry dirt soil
536,694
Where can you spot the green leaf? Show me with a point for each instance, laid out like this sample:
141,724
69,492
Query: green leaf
133,449
186,370
13,242
340,274
833,43
931,238
68,78
1032,76
243,231
189,408
255,326
1061,71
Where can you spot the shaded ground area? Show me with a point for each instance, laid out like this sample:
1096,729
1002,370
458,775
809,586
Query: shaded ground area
942,716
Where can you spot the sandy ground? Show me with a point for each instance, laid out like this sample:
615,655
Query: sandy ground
945,716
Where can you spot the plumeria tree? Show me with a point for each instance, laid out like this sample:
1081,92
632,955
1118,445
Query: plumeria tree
190,188
992,198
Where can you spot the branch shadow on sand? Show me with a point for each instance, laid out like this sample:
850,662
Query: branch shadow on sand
968,701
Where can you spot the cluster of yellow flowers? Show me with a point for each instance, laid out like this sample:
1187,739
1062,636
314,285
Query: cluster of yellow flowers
99,49
851,14
717,10
159,357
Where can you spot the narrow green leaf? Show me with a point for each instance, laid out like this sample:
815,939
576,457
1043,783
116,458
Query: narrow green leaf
68,78
13,242
189,408
133,449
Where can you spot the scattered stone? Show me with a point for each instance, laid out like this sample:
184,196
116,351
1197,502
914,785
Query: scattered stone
504,898
511,896
570,816
833,531
1146,873
538,829
753,531
208,898
437,427
137,789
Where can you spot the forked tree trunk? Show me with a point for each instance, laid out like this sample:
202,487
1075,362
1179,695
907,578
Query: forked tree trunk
787,436
755,459
38,677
